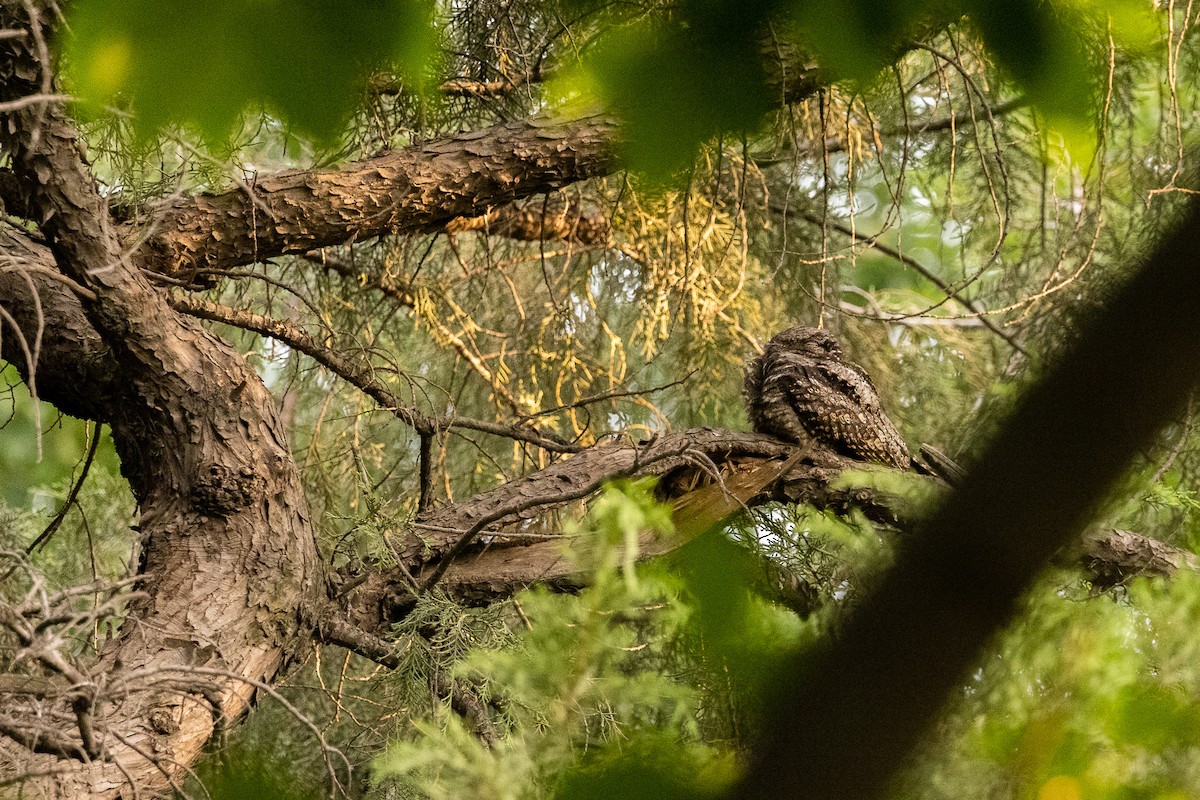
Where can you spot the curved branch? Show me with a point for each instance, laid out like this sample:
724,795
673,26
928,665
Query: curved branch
229,554
746,465
75,369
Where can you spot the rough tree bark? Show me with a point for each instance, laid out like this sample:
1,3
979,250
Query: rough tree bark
229,563
418,189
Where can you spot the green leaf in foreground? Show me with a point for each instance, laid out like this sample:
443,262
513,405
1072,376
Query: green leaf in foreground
203,64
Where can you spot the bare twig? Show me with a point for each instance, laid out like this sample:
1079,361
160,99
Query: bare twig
32,100
360,374
917,266
72,495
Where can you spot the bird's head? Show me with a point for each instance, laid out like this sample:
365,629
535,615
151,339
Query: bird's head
815,342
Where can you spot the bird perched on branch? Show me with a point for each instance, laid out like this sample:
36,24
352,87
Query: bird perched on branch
801,389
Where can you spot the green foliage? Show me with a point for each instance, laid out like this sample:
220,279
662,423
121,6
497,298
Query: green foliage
17,526
604,691
305,62
648,766
703,84
42,453
616,692
39,445
707,61
205,64
1094,696
608,688
94,541
241,773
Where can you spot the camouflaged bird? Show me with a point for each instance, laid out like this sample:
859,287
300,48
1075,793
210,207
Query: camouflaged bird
802,389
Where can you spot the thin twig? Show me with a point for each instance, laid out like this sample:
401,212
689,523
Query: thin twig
32,100
917,266
44,537
360,374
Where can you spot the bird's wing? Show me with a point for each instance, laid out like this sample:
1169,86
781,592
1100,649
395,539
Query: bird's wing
838,405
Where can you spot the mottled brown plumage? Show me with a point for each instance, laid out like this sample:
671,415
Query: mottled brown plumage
801,389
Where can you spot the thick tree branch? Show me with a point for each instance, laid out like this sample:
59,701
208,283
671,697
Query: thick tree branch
468,176
421,188
514,510
709,474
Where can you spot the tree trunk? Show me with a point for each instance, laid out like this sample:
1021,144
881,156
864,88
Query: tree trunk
229,571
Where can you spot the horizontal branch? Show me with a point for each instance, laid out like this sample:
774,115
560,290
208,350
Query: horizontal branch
709,474
737,460
519,502
1116,557
417,189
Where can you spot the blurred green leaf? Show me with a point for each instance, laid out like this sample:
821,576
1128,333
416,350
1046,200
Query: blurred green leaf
683,79
677,88
855,40
63,441
651,766
205,63
1153,716
248,773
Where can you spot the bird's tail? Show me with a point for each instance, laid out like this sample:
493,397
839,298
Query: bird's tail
933,461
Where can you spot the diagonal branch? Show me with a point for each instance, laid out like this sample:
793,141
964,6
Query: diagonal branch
421,188
855,710
403,296
361,374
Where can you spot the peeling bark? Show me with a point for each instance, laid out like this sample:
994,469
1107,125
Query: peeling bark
1116,557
